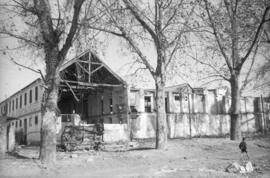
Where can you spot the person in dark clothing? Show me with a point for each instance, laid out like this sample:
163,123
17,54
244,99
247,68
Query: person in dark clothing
243,147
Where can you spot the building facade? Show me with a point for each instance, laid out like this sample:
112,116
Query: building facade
91,90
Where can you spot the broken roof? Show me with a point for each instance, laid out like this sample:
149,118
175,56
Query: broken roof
89,70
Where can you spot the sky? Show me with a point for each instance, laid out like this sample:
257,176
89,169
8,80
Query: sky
14,78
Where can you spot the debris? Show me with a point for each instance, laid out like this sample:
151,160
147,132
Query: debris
249,167
73,156
237,168
233,168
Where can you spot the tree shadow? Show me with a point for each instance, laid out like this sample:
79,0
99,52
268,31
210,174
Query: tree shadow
141,149
18,156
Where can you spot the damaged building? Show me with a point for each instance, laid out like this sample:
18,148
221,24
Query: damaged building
90,91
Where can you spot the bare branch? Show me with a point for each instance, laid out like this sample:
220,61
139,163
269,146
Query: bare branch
20,38
249,70
72,30
211,81
255,37
140,20
105,30
221,47
130,41
29,68
211,66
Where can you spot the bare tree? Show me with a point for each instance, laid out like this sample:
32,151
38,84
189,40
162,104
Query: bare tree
51,27
234,36
162,25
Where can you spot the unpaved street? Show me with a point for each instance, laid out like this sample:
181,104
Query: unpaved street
199,157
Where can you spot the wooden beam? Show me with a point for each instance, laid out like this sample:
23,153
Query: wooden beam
91,84
96,69
82,68
89,67
77,99
95,63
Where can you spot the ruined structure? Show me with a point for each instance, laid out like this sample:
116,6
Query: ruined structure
90,91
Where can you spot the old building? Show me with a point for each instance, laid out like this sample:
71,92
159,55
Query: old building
91,91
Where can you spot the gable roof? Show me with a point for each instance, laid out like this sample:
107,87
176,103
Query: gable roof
90,58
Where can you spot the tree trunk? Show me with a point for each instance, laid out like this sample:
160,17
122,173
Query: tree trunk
161,131
49,111
235,130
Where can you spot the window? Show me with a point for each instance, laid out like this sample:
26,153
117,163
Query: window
21,101
177,98
16,124
12,123
111,105
12,105
9,106
25,98
30,96
30,122
132,101
20,123
147,104
36,120
16,103
177,103
36,93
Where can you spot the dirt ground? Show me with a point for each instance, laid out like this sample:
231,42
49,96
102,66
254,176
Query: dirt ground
198,157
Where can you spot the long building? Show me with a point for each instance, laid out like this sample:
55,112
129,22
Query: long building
91,90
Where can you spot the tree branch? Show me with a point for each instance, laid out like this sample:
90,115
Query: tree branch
249,70
221,47
211,66
140,20
106,31
130,41
29,68
72,30
255,38
20,38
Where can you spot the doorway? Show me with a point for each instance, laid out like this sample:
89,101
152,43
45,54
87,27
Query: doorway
25,131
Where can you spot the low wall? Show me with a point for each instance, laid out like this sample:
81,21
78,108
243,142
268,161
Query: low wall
115,132
143,125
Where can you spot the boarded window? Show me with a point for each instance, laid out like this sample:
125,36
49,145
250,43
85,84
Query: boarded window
21,101
9,106
25,98
30,96
30,122
36,93
147,104
36,120
16,103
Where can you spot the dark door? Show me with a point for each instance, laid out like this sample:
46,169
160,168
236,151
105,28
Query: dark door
25,131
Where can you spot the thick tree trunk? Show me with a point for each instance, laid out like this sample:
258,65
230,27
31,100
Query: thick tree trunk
235,130
161,131
49,111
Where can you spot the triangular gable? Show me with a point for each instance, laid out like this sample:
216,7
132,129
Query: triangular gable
87,68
